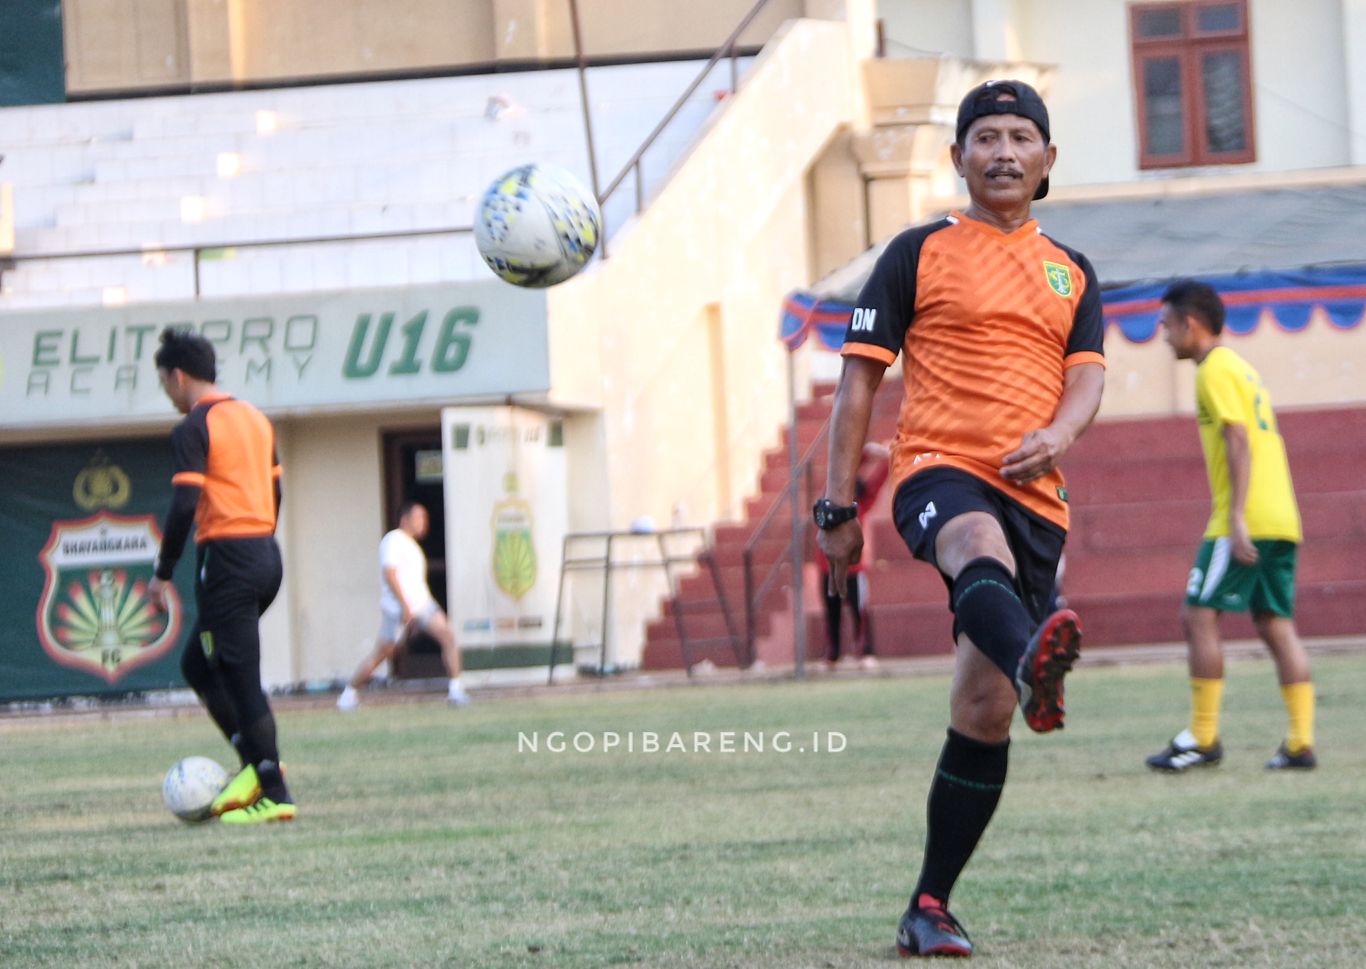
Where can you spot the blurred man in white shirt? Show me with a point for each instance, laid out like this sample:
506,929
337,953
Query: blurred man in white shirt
407,606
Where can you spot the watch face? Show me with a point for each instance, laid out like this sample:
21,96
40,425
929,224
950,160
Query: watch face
827,514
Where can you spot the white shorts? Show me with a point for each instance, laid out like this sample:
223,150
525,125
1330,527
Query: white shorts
391,624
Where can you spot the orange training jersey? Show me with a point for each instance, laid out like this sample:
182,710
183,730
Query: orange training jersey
986,323
226,447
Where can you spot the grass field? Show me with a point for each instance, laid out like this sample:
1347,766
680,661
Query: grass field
427,838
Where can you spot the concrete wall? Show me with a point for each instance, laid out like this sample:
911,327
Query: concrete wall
329,612
665,354
674,335
1304,118
1353,41
330,537
324,160
1318,366
132,45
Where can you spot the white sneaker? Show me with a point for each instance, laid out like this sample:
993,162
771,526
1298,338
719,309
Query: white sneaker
348,700
460,699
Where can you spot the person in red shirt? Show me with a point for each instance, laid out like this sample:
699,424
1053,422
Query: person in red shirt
872,475
999,329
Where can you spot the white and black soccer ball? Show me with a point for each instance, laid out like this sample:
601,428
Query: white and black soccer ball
191,785
537,225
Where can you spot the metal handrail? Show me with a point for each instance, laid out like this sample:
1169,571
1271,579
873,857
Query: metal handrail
199,248
726,48
607,565
754,596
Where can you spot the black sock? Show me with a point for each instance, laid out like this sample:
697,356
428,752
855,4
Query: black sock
987,608
273,782
866,632
259,742
240,746
963,796
834,606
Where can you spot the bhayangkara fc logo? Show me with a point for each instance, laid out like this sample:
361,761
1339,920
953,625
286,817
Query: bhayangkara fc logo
1059,278
514,552
94,613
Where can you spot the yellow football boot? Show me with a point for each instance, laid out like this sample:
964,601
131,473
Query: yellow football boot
242,791
262,811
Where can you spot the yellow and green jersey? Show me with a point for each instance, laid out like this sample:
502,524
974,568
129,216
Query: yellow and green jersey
1229,391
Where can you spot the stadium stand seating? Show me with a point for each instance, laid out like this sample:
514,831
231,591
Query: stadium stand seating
1140,503
307,162
205,170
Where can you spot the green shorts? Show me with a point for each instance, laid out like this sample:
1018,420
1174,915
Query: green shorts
1219,582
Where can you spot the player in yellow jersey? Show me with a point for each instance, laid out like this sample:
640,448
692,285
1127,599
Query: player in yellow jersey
1247,559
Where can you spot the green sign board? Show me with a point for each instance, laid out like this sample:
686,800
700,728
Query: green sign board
80,526
32,62
311,353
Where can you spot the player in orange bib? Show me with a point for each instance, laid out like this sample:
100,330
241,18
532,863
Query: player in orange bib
227,484
999,330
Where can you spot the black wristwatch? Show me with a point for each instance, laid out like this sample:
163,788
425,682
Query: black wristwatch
828,514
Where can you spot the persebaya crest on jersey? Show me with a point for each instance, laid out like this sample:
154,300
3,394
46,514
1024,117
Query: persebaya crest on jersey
514,552
1059,278
94,613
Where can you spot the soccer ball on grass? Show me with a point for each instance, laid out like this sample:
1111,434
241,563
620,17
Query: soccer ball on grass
537,225
190,787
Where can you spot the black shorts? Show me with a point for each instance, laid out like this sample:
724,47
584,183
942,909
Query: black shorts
236,580
926,501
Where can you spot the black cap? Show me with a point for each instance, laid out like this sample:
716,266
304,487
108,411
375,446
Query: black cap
984,100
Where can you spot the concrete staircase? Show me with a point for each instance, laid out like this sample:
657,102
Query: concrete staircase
767,529
1140,502
1141,507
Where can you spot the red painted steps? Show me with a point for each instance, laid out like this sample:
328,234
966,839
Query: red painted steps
703,616
1140,502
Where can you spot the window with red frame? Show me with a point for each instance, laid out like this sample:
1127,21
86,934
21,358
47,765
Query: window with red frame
1192,83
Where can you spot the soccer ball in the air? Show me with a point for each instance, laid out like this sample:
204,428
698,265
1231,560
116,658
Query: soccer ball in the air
537,225
191,785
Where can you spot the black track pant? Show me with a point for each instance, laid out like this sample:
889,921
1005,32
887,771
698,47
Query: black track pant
236,580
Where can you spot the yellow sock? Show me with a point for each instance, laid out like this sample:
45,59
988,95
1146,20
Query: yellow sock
1206,698
1299,703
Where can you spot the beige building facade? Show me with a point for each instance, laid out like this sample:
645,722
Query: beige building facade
664,378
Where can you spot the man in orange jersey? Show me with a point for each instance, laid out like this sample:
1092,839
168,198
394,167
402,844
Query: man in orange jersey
227,483
999,329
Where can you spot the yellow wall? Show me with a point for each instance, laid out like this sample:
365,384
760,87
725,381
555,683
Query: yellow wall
675,334
330,538
665,354
131,45
1320,366
361,38
537,29
126,43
